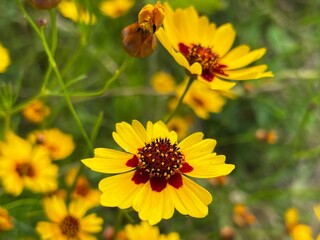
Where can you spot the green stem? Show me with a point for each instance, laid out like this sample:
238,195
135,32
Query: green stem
180,100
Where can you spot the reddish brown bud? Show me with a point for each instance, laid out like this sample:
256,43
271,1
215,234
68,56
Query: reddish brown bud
44,4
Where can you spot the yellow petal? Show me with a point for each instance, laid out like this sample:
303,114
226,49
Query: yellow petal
55,208
246,73
200,148
77,208
48,230
152,206
236,53
108,161
245,60
218,84
191,199
119,190
190,140
209,166
140,130
91,223
223,39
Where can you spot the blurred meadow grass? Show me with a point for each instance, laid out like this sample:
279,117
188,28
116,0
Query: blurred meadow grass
268,178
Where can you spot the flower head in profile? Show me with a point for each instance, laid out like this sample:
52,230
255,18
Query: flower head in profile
23,165
68,223
59,144
152,175
204,49
69,9
144,231
5,220
4,58
36,111
138,38
115,8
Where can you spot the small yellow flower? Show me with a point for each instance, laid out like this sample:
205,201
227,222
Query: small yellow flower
291,218
163,82
204,49
116,8
145,231
5,220
152,175
36,111
25,166
82,189
60,145
69,9
201,99
242,216
301,232
180,125
68,223
4,58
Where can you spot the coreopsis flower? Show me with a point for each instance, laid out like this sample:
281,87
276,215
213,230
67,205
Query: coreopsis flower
301,232
242,216
69,9
144,231
36,111
180,125
44,4
138,38
201,99
115,8
5,220
152,175
163,82
82,188
204,49
4,58
291,218
23,165
59,144
68,223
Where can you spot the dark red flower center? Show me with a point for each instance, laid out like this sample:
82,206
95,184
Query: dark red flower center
25,169
161,162
70,227
203,55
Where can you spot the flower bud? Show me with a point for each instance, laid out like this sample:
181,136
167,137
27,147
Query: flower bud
44,4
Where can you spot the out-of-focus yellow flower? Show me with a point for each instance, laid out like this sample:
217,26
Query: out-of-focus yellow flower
301,232
69,9
204,49
115,8
5,220
23,165
163,82
138,38
36,111
291,218
145,231
68,223
152,174
270,137
242,216
4,58
180,125
316,209
59,144
82,189
201,99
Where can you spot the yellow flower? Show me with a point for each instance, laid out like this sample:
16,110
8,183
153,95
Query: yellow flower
150,17
69,9
201,99
154,171
25,166
204,49
163,82
180,125
60,145
4,58
291,218
145,231
68,223
301,232
82,189
116,8
36,111
5,220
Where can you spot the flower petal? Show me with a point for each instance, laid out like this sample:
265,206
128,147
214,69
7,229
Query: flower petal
201,148
223,39
191,199
119,190
91,223
48,230
255,72
190,140
108,161
235,54
218,84
55,208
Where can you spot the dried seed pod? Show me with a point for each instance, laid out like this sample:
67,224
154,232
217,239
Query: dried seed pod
44,4
137,42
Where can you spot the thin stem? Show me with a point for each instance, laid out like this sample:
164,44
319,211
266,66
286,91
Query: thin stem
180,100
